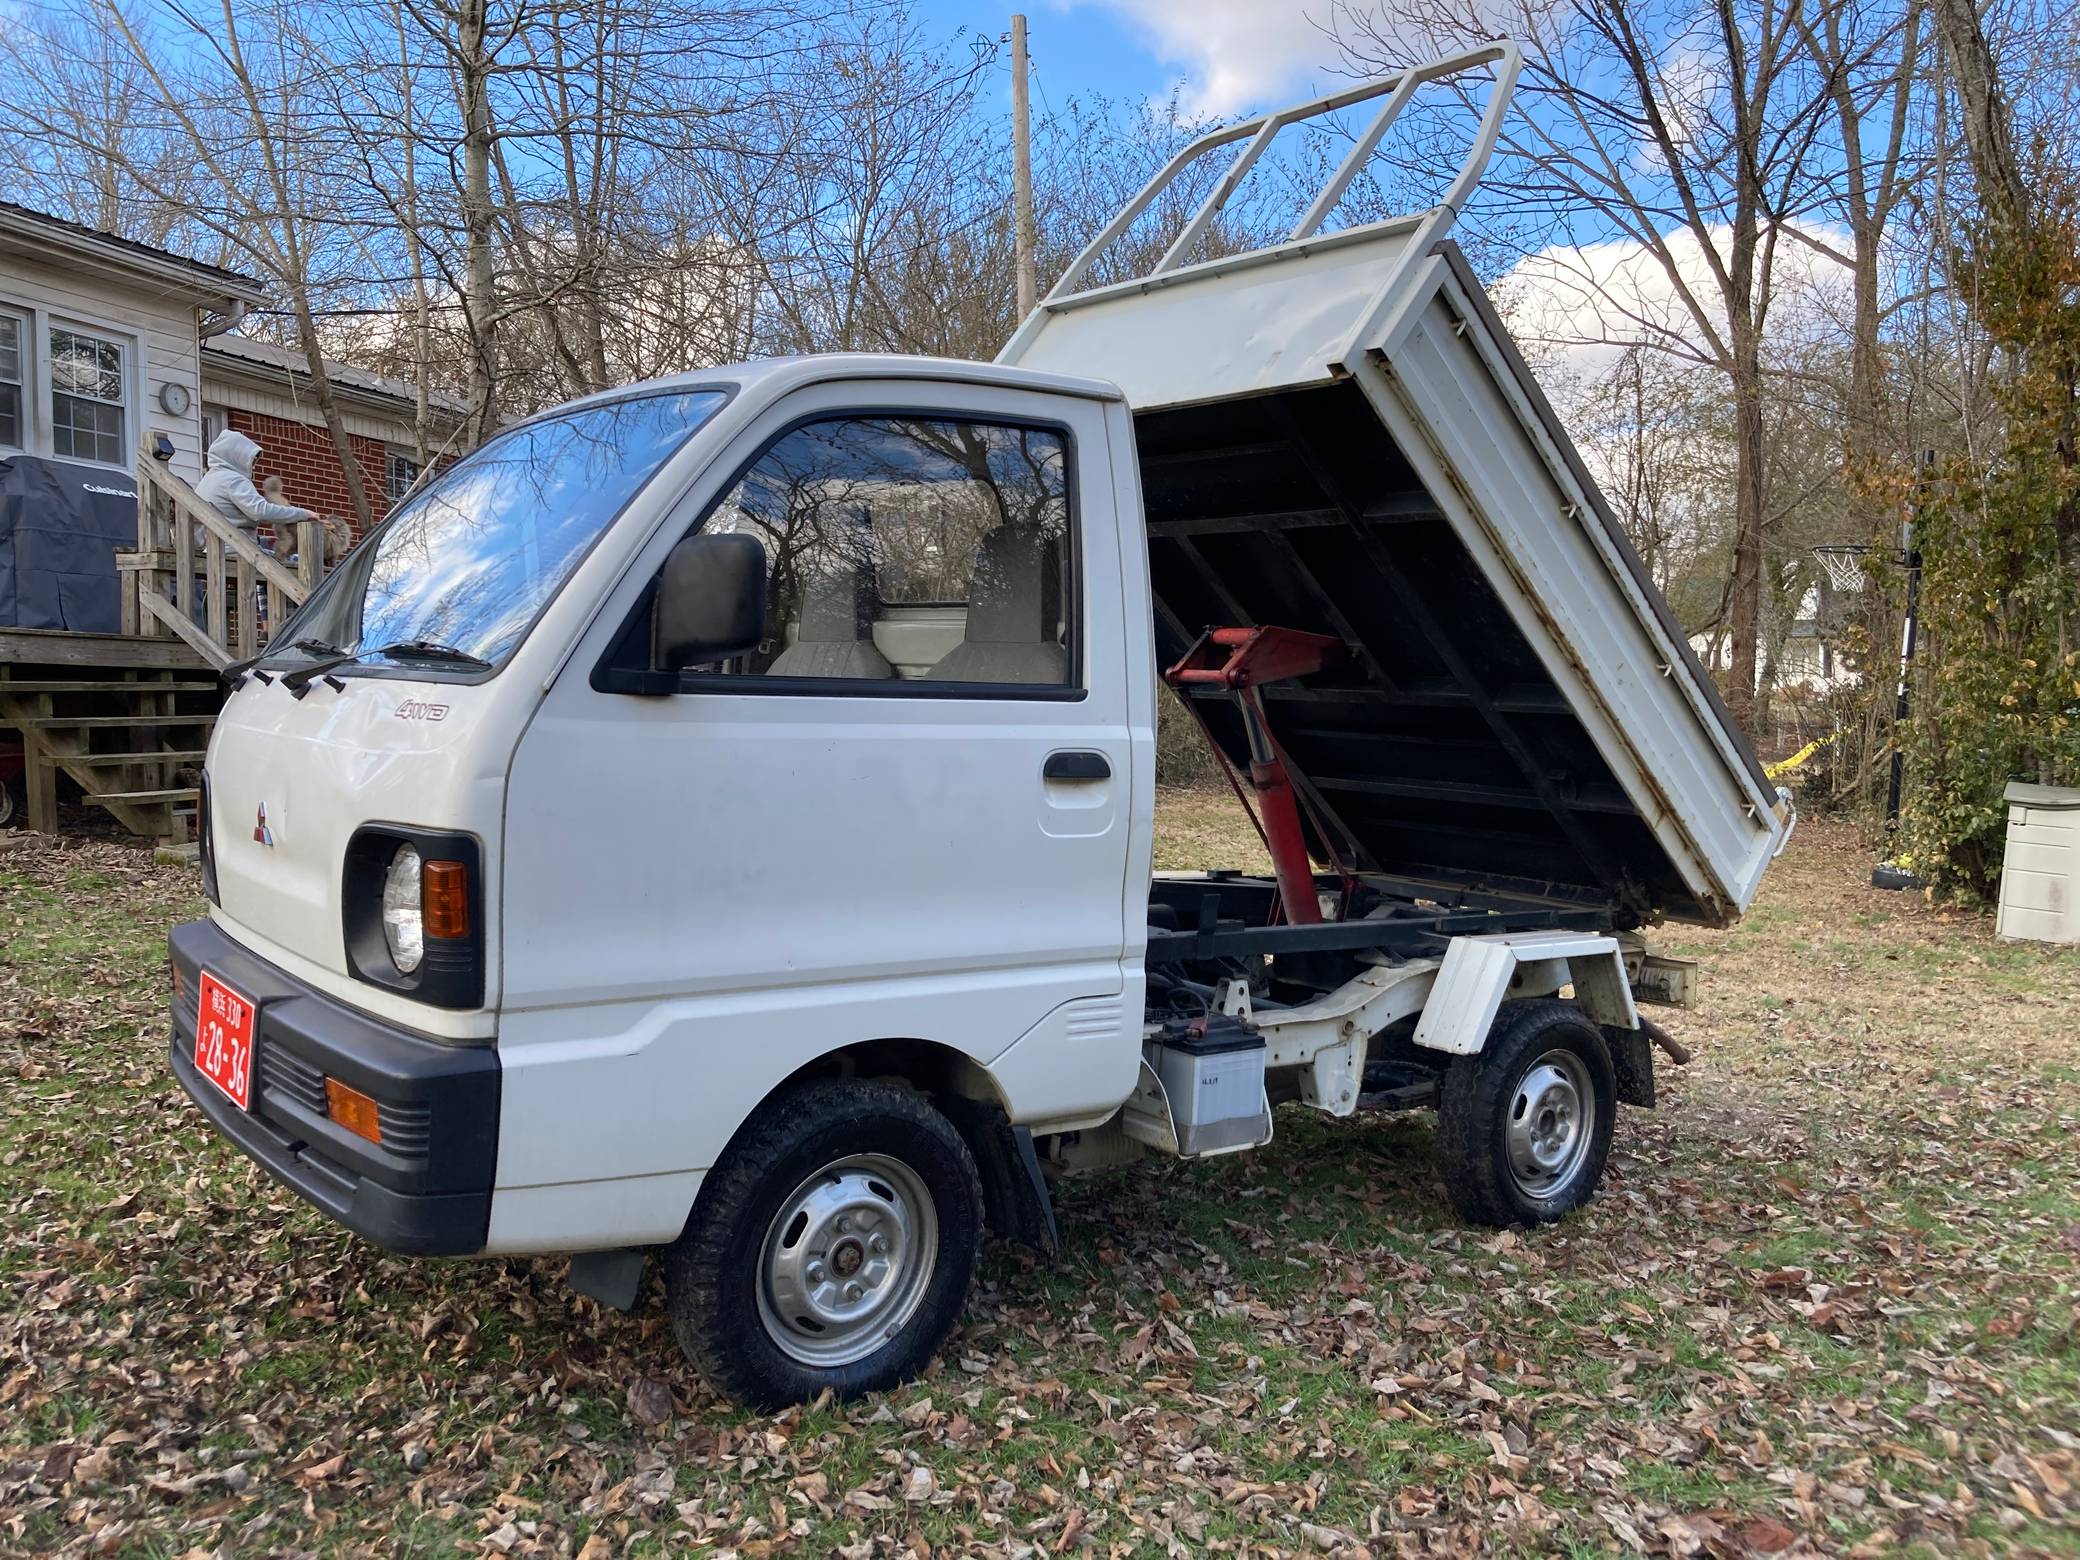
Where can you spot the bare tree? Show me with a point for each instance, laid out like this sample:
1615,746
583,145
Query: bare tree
1686,133
236,118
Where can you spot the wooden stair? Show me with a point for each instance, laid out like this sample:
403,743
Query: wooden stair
124,719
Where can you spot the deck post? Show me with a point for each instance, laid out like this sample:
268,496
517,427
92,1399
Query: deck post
311,537
219,619
40,779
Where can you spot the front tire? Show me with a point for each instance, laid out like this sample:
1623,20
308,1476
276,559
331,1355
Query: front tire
830,1249
1524,1128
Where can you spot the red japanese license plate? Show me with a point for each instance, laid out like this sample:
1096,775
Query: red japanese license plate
224,1041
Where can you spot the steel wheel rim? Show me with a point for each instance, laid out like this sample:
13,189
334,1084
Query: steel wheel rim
847,1259
1552,1121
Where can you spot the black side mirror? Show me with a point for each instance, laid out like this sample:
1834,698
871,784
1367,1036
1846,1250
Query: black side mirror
711,601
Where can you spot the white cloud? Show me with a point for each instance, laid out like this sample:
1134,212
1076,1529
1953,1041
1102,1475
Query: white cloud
1589,302
1235,54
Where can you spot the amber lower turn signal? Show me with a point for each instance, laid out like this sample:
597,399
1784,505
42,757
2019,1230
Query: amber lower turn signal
353,1110
444,898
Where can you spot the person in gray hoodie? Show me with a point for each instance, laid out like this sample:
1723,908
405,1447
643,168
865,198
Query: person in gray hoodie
228,487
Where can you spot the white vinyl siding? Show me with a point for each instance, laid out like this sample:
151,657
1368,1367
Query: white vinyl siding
156,336
223,386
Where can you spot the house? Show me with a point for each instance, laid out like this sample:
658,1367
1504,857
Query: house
264,391
106,342
1809,656
100,346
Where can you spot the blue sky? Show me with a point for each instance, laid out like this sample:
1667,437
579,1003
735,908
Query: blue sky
1228,55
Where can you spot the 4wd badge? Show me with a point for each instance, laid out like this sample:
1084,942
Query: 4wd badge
419,709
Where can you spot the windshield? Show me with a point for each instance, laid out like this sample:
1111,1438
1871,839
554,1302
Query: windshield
462,568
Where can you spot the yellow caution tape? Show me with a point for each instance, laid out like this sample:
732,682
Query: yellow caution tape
1797,760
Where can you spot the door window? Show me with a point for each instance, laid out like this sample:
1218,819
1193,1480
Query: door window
912,549
86,397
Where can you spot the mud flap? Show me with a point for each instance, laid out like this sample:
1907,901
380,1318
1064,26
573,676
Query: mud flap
1015,1200
613,1278
1632,1060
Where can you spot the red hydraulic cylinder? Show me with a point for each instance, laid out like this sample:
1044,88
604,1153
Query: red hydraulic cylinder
1241,660
1289,857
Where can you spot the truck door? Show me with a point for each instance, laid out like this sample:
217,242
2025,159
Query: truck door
908,815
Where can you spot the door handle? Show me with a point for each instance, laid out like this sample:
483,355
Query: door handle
1079,764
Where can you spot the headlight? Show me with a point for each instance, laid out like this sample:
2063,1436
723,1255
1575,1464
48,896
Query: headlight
404,923
412,912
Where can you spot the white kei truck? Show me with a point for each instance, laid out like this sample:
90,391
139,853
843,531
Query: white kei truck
714,818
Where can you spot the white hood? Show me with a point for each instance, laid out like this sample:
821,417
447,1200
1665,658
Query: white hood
232,448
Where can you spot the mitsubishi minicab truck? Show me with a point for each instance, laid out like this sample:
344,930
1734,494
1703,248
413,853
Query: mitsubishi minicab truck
712,820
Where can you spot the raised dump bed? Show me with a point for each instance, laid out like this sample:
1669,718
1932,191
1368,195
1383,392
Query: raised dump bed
1337,435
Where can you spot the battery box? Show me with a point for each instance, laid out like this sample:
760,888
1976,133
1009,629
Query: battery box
1212,1070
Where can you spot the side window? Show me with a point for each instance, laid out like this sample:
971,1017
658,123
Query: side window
908,548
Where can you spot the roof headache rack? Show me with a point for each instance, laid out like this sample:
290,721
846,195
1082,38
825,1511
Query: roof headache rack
1504,58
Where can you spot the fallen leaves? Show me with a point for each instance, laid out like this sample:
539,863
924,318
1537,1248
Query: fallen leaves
1825,1303
649,1401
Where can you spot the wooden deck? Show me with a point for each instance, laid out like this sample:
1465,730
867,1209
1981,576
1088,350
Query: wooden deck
61,647
126,717
123,718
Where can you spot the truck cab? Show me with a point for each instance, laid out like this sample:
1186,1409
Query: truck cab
713,819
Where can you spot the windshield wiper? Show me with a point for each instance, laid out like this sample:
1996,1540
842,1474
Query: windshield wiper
298,681
428,650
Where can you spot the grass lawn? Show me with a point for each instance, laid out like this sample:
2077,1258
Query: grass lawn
1827,1301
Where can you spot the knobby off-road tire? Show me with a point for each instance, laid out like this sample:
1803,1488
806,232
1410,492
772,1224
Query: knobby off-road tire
1524,1128
831,1248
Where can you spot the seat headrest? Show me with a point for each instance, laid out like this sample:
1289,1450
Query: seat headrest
838,602
1015,596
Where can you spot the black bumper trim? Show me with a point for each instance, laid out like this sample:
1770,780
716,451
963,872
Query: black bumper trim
434,1200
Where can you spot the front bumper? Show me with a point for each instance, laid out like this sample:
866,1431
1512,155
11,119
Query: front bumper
426,1189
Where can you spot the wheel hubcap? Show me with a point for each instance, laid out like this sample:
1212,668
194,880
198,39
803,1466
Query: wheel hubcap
1552,1119
847,1259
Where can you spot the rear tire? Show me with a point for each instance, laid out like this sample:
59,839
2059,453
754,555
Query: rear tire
830,1249
1524,1128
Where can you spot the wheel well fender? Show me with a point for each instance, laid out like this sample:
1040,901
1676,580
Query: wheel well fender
1017,1205
1479,974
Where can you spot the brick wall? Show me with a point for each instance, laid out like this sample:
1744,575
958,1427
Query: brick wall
303,457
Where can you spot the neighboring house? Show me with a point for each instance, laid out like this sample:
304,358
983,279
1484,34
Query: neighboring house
105,342
264,392
1808,655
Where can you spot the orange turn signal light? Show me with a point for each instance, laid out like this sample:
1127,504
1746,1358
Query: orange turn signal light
353,1110
444,898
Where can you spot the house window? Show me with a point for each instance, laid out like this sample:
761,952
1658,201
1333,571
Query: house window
11,434
86,397
400,471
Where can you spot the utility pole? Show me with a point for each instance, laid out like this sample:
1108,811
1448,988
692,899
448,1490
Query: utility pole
1022,170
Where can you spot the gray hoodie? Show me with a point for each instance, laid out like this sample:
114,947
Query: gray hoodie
228,485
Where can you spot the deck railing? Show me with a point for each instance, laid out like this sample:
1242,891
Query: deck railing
197,577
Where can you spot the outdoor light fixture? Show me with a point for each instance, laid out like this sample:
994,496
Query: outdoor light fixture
162,447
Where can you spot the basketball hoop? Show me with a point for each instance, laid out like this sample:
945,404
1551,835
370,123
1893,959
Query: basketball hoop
1843,562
